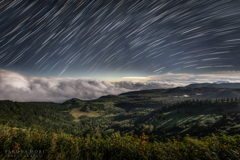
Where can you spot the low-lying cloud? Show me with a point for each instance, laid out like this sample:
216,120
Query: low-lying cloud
186,78
18,87
143,85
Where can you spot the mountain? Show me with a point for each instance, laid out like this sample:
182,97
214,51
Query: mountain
214,85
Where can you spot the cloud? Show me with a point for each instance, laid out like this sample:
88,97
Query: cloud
182,79
143,85
18,87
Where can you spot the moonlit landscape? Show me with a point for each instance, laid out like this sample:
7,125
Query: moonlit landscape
78,76
85,49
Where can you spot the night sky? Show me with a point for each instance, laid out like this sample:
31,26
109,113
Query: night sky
108,40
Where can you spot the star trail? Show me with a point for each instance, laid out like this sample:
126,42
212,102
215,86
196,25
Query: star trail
119,38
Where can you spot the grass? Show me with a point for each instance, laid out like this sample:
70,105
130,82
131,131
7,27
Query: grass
77,113
110,115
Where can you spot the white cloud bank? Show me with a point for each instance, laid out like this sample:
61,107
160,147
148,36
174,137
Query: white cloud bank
18,87
22,88
143,85
182,79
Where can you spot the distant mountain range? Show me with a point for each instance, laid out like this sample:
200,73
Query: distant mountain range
214,85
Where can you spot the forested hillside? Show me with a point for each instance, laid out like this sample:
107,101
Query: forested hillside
161,121
136,112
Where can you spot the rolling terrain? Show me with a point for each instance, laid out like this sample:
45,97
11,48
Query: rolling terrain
175,122
132,112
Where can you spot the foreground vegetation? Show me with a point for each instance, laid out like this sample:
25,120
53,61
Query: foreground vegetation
104,128
62,146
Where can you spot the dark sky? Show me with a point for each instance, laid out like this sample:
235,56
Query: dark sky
111,39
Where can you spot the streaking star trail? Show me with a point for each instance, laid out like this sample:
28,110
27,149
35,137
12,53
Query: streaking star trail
113,39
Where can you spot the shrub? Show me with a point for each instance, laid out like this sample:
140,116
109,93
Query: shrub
62,146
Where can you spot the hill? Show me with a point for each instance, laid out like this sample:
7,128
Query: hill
128,113
214,85
160,114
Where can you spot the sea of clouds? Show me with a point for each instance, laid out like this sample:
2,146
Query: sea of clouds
18,87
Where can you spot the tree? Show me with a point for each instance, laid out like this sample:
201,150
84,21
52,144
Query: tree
227,99
150,129
198,123
176,122
225,115
222,100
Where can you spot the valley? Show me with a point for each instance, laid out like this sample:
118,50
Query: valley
161,112
133,122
